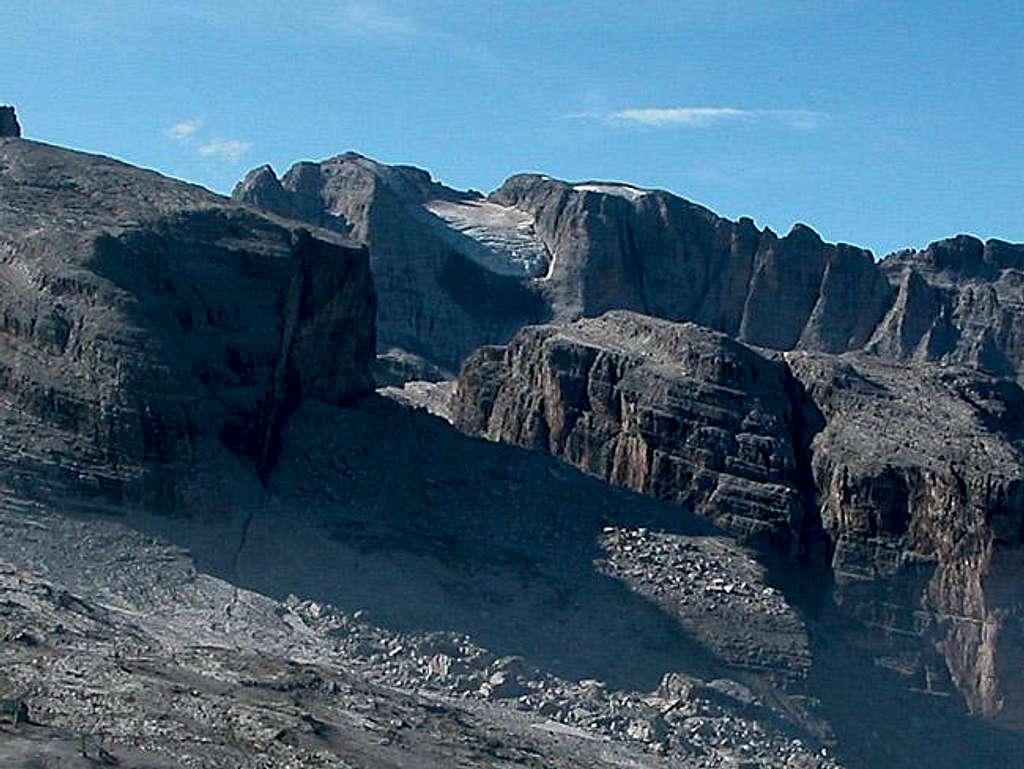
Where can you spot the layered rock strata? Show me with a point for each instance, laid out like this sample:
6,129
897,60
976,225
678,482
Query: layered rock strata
457,270
905,482
141,316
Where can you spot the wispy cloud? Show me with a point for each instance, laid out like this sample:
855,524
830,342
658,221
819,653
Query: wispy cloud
703,117
184,129
376,21
372,19
225,149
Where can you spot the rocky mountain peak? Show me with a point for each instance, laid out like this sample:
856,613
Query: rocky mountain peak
9,123
263,189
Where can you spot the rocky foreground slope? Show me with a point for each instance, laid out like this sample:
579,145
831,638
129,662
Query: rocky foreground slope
456,270
907,483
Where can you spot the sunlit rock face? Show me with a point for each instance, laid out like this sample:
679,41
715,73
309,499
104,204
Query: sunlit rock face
907,483
452,270
456,270
959,301
672,410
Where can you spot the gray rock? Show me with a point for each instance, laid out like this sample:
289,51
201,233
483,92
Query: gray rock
919,479
9,127
675,411
14,710
456,271
441,292
146,322
906,482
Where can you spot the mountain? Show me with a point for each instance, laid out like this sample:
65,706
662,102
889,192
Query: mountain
905,484
220,548
830,458
146,322
456,270
448,266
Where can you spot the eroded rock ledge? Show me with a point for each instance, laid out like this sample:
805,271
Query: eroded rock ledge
907,483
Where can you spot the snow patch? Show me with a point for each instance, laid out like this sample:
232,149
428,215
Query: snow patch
500,238
631,194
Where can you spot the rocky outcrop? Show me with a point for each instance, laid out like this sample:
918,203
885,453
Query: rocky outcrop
919,482
143,320
442,292
619,247
9,127
959,301
457,270
908,483
678,412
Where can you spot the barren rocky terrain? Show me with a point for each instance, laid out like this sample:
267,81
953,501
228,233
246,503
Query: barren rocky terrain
905,483
220,548
456,270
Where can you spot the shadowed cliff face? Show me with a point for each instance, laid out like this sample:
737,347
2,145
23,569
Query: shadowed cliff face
919,478
9,123
456,270
907,483
143,318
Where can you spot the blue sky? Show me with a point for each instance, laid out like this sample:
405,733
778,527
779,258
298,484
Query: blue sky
885,124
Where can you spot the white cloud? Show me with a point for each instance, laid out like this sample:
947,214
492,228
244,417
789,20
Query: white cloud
374,20
184,129
702,117
225,149
685,116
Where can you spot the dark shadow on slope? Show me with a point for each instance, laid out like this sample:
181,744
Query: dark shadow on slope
393,511
432,530
878,717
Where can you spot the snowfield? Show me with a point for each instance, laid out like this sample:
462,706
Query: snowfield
500,238
631,194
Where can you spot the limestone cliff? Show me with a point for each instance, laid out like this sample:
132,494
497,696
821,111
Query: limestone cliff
908,483
442,290
679,412
457,270
141,317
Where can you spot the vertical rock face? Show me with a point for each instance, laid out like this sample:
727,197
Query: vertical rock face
437,300
908,483
919,477
145,320
960,301
9,127
675,411
619,247
457,270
